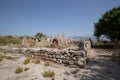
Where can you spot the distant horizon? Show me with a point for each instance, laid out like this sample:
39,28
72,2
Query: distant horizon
45,34
52,17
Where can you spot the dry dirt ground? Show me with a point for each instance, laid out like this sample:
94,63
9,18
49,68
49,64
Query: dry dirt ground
100,67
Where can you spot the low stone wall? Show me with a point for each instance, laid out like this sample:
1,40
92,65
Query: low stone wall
66,57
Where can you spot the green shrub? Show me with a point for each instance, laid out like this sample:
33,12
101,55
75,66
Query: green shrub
26,61
18,70
99,43
49,73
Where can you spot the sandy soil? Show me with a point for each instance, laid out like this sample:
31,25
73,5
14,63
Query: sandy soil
100,67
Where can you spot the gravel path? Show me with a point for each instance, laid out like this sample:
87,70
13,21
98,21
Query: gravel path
100,67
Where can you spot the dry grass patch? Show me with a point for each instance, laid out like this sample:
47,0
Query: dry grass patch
18,70
26,61
1,58
1,50
37,60
9,57
47,63
5,57
49,73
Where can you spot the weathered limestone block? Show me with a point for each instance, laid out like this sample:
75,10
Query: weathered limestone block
53,56
74,58
80,63
67,57
64,61
50,59
68,54
71,62
50,56
54,59
59,61
73,66
62,57
58,56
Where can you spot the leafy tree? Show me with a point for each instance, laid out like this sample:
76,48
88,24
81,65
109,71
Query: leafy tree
39,36
109,25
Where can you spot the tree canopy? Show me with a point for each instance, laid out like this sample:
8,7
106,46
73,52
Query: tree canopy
109,25
39,36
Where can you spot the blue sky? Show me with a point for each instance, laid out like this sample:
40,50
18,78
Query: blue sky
52,17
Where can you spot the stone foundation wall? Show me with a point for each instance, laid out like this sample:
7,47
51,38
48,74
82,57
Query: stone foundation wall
66,57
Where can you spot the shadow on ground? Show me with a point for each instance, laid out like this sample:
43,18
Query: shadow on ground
100,67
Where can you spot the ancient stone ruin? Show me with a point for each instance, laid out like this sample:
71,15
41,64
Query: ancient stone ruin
25,41
68,57
85,45
54,41
65,57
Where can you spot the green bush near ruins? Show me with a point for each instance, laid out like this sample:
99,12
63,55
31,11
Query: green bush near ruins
39,36
18,70
26,61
